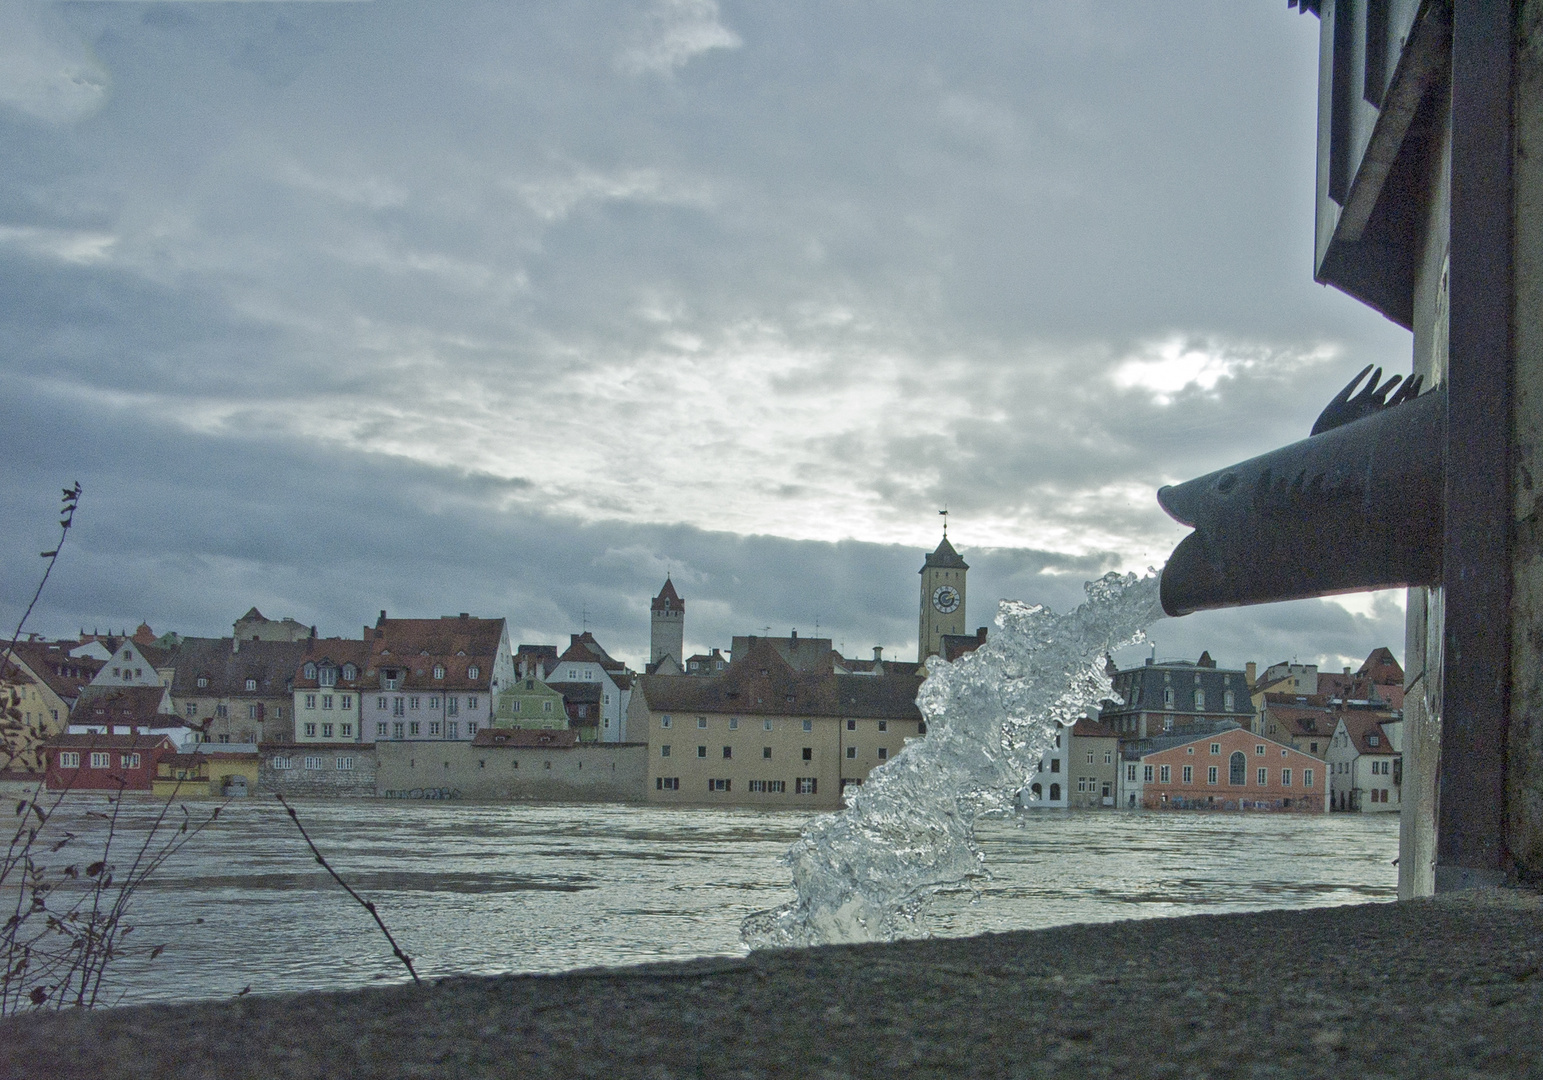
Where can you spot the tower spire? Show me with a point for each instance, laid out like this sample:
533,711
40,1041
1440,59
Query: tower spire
944,512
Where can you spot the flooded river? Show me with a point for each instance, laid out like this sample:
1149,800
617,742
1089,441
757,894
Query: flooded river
516,888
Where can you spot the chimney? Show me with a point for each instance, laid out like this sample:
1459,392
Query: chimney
793,640
235,644
878,654
1347,669
1249,671
465,615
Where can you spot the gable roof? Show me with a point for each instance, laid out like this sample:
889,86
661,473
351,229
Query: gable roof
1092,729
584,649
1362,728
52,664
668,599
109,742
122,705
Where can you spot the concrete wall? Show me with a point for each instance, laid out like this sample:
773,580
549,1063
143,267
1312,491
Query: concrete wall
326,780
1524,754
591,772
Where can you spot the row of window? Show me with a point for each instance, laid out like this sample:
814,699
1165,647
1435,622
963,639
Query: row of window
203,683
254,711
766,752
546,706
1090,785
326,701
400,706
312,763
393,676
327,675
1235,774
803,785
1229,702
70,759
413,729
768,725
344,731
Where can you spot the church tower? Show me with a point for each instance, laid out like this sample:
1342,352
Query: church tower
667,627
942,609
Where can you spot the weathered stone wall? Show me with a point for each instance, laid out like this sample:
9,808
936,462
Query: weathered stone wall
592,772
326,781
1524,754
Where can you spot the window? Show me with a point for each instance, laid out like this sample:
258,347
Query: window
701,751
1165,773
439,671
474,672
1168,698
1237,766
452,706
100,761
664,751
883,753
883,725
398,706
733,722
350,673
1090,757
452,731
808,725
414,703
773,787
393,678
345,764
1055,764
380,729
1189,774
720,785
128,761
1263,777
380,703
1130,773
326,702
433,727
313,763
851,751
310,671
191,710
851,725
281,762
664,721
1146,773
346,730
1216,748
326,731
701,721
310,701
222,711
1055,792
666,783
203,681
328,676
728,752
766,725
806,785
1210,775
251,684
251,711
310,731
414,728
1200,701
1108,757
68,759
808,753
1285,778
397,729
1259,749
765,753
1227,700
1307,778
471,703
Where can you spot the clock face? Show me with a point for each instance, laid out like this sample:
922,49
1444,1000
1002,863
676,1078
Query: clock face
946,599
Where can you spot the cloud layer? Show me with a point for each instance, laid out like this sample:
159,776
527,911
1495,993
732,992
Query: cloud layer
746,291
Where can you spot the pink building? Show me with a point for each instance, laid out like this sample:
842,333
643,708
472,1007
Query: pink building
1233,770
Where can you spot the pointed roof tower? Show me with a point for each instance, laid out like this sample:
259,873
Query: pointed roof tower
945,555
668,599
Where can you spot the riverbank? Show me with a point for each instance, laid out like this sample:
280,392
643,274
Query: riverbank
1449,986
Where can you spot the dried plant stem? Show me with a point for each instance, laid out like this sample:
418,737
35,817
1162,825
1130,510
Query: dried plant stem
368,905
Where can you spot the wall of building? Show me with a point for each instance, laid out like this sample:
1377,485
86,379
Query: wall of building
1199,791
323,779
673,754
1094,765
592,772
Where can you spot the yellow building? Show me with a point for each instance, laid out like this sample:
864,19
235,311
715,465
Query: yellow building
216,774
767,734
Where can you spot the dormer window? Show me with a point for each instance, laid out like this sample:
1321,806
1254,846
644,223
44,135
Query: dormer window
328,676
1373,740
203,682
439,671
251,684
350,673
393,677
473,672
310,671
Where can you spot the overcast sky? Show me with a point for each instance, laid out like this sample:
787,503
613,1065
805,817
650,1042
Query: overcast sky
512,308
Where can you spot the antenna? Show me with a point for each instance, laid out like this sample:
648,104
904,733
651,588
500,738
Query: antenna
585,617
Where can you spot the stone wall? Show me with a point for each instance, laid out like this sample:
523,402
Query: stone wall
325,779
589,772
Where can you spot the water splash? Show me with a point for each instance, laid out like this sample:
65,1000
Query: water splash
864,873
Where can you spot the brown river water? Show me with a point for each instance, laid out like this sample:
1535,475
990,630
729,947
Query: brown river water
537,888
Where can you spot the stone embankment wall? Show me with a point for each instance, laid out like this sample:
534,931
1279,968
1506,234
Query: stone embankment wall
313,770
594,772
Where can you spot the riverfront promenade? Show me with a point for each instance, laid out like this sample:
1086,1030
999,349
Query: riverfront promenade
1451,986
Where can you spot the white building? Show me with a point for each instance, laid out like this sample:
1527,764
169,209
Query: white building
1365,766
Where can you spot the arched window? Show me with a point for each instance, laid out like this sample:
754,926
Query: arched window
1055,792
1237,765
473,672
1227,700
1200,701
1036,792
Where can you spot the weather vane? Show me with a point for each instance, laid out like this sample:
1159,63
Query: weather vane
944,512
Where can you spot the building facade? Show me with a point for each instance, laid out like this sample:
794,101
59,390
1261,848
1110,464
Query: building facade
1366,768
104,762
1093,766
1232,770
667,626
1174,696
942,600
433,679
329,686
585,673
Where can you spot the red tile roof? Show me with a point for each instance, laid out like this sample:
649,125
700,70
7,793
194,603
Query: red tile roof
415,646
1092,729
516,737
668,598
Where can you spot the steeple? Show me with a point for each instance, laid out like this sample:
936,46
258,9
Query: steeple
667,625
942,598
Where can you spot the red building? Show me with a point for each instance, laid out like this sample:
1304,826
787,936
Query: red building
1233,770
104,762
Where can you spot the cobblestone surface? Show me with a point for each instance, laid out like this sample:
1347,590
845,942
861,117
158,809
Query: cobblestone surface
1452,986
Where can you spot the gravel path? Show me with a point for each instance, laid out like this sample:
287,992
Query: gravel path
1445,987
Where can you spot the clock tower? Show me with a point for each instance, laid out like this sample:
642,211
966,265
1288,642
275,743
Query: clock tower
942,610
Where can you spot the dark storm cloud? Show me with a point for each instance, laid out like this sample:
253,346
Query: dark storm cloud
370,304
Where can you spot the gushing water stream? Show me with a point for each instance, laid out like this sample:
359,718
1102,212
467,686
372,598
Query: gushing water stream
864,873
